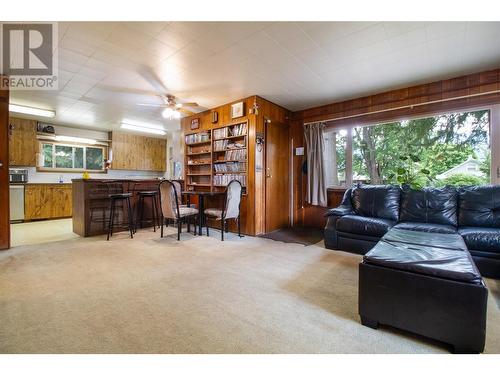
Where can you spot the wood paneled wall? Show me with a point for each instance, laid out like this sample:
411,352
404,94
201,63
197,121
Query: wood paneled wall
253,203
135,152
394,105
4,170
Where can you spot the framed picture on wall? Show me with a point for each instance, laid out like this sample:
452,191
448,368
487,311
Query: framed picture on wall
215,117
195,123
237,110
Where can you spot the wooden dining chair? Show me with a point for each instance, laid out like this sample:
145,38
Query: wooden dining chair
230,207
171,210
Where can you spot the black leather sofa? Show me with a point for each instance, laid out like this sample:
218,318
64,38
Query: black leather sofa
367,212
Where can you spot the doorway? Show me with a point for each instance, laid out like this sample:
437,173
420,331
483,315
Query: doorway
277,189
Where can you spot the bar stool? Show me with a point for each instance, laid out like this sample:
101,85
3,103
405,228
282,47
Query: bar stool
153,195
119,200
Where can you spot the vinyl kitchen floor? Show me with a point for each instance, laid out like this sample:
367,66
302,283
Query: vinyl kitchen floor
38,232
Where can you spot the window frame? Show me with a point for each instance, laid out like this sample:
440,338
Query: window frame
494,134
73,146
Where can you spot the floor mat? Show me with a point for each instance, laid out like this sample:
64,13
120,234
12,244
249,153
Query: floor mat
301,235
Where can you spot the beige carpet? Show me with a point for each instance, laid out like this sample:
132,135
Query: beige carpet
199,295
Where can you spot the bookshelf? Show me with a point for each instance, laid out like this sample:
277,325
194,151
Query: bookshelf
198,160
216,156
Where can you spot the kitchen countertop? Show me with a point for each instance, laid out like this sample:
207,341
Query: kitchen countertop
46,183
117,180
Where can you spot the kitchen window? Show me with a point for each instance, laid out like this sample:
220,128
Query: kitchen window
57,157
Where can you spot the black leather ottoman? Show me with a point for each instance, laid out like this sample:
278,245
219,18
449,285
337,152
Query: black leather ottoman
425,283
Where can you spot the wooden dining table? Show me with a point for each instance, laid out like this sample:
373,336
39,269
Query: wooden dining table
201,203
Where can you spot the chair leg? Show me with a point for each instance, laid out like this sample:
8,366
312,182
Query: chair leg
206,224
222,225
239,226
111,215
188,222
130,219
179,228
162,225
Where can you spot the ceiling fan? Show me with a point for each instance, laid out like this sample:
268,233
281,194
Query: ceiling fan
172,109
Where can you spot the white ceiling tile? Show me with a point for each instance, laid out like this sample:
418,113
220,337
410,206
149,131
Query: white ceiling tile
396,28
295,64
408,39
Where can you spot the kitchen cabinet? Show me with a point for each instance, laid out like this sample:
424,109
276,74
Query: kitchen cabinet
47,201
23,145
134,152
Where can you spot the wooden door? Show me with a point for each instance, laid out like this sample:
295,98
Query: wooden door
277,210
4,170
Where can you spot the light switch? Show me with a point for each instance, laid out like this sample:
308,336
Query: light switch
299,151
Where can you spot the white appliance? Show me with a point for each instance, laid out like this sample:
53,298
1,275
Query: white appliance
16,202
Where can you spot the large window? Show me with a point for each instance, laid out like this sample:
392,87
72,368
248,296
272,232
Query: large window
449,149
61,157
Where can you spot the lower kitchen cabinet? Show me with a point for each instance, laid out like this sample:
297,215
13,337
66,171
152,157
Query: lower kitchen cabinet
47,201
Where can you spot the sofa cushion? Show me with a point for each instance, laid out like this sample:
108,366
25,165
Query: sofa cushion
369,226
380,201
430,205
479,206
426,227
481,239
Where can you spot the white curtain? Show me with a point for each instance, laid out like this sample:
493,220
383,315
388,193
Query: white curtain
316,183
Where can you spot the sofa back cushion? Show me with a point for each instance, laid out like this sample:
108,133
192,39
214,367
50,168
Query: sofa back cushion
430,205
380,201
479,206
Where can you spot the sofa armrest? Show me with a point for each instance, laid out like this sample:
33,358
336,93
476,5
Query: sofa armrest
340,211
345,207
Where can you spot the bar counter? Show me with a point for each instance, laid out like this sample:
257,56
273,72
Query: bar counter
91,203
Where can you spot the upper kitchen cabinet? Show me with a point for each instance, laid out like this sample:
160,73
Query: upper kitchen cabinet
22,142
138,153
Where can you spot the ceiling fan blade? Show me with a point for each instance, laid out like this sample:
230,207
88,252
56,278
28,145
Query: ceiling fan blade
126,90
150,75
188,104
185,111
152,105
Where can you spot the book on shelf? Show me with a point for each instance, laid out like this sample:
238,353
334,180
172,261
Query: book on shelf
236,154
230,167
230,131
240,129
224,179
197,137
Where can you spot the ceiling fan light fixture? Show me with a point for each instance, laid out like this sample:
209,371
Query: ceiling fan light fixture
177,115
167,113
